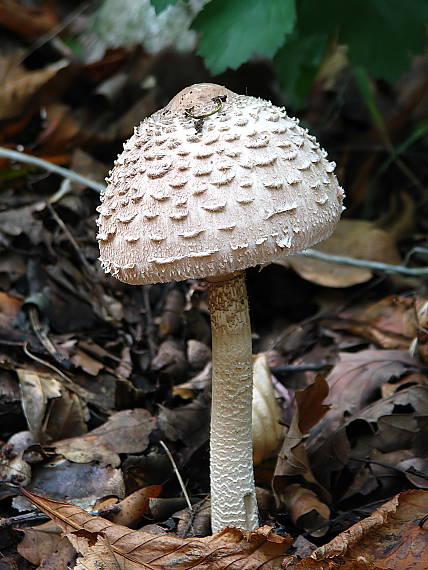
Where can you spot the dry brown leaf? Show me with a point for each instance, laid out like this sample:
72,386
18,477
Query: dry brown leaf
39,541
267,431
9,308
388,424
171,359
198,354
292,459
21,88
390,538
139,549
86,362
312,404
362,238
391,322
306,510
133,507
126,431
355,381
171,320
37,389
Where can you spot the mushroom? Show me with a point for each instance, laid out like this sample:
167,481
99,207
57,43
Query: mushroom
211,184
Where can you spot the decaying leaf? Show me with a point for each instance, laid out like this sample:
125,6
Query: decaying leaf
39,541
51,409
188,424
124,432
22,87
391,538
37,389
132,508
267,430
360,238
389,323
389,424
139,549
355,381
82,484
171,320
306,510
293,460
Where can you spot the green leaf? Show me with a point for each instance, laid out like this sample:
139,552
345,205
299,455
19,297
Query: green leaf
381,34
161,5
234,30
297,63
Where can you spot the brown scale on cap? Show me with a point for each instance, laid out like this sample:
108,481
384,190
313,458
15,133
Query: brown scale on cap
247,174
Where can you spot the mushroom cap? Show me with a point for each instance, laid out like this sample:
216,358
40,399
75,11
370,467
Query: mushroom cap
213,183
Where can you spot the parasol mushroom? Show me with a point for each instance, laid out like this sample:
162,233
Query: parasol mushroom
211,184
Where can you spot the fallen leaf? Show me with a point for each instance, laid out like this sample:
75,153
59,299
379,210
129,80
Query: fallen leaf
355,380
82,484
391,538
390,323
23,87
13,470
37,389
171,320
189,424
267,430
362,238
306,510
170,359
198,354
292,459
39,541
139,549
86,362
355,438
126,431
133,507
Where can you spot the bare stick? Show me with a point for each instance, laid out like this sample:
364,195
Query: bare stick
177,472
64,172
375,265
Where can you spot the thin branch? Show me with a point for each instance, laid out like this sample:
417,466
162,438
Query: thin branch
70,175
367,264
64,172
180,479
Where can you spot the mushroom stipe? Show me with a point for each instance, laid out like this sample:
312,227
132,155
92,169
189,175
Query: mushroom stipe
212,184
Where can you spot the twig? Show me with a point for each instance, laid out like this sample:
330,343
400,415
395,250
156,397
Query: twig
284,368
59,221
180,480
367,264
64,172
69,174
27,518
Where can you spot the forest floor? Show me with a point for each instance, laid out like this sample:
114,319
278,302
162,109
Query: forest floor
102,382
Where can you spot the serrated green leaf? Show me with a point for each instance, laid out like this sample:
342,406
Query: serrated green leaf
232,31
161,5
297,63
380,34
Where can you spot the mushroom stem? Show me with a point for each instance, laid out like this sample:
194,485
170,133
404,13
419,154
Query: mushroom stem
233,497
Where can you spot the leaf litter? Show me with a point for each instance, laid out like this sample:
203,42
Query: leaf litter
95,375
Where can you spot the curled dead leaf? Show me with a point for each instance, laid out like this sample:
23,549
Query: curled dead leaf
306,510
392,537
267,430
